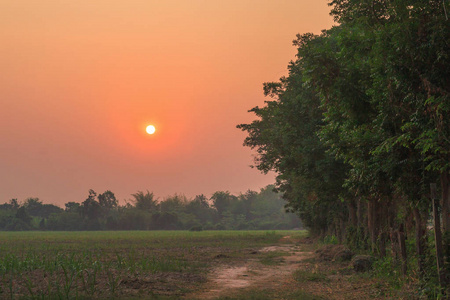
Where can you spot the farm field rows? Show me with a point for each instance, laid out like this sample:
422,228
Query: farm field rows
124,264
181,265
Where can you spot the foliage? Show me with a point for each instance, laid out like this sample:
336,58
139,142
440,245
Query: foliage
301,275
223,211
359,128
145,201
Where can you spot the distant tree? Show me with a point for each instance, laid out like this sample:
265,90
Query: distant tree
16,224
107,200
6,216
23,215
131,218
72,207
199,207
42,224
165,221
90,208
112,220
36,208
145,202
13,204
247,199
175,203
32,205
65,221
48,209
222,202
202,200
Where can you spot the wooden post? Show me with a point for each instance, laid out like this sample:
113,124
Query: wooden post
437,235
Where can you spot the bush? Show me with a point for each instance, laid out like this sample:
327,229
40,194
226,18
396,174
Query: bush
355,238
17,225
208,226
196,228
219,226
330,239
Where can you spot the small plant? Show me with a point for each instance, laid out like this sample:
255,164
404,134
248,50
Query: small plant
69,277
330,239
11,287
113,281
272,258
301,275
89,282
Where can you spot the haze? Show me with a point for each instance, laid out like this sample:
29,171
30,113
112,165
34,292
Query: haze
81,80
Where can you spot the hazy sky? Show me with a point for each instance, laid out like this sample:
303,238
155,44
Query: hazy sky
80,80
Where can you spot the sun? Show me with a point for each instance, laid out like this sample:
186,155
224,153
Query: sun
150,129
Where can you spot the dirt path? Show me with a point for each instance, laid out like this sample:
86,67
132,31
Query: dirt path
271,270
225,280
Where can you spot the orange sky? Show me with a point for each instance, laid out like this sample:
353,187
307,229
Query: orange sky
80,80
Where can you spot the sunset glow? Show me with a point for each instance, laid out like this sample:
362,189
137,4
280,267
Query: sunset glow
80,81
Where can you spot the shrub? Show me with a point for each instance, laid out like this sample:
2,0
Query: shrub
196,228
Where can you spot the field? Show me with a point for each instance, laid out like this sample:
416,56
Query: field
136,264
182,264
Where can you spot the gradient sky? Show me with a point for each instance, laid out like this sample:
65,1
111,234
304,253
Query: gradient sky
80,80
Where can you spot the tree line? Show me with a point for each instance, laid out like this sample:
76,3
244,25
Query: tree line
359,131
222,211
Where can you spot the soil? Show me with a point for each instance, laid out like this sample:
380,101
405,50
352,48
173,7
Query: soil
288,268
225,280
337,280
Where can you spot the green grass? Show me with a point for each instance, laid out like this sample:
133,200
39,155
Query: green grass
302,275
272,258
148,264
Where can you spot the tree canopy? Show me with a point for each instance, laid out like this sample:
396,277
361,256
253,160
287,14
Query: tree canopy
360,127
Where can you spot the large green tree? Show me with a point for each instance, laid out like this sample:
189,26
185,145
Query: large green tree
285,136
366,104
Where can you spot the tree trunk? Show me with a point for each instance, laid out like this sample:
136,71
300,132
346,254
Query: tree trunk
382,214
370,223
382,244
393,236
419,235
402,244
445,201
342,228
373,223
363,223
337,227
395,249
359,213
353,219
438,237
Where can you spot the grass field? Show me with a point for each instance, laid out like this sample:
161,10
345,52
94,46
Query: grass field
125,264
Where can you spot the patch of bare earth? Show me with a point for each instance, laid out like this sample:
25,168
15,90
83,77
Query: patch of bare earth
226,280
299,269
